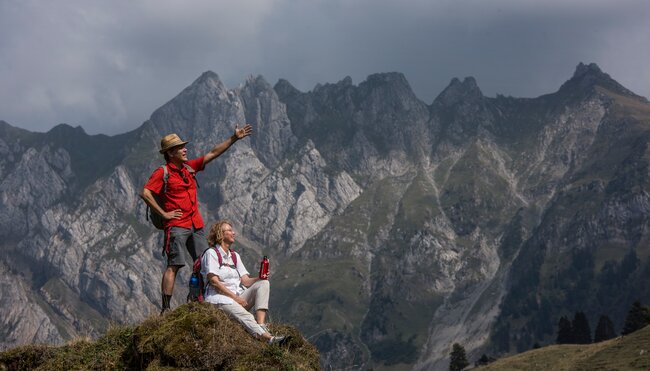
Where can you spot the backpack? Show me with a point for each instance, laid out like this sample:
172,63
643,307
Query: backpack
157,220
197,286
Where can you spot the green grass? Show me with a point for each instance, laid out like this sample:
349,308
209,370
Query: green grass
194,336
324,295
631,352
419,204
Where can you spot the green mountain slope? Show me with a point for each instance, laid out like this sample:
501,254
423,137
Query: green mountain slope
631,352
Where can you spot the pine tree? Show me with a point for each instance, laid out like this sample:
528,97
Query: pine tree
564,333
638,317
604,329
458,358
484,360
580,329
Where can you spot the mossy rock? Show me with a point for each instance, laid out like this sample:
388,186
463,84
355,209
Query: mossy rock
194,337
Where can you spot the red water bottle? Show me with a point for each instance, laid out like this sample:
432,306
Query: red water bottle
264,268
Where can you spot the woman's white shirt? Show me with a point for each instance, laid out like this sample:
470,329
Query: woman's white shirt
229,276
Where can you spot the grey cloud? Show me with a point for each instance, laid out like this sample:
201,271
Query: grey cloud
107,65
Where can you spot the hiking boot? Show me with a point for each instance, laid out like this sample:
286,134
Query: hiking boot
279,340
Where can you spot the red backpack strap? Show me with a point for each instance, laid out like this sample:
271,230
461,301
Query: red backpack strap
232,255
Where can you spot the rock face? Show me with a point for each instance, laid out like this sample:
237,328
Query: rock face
395,228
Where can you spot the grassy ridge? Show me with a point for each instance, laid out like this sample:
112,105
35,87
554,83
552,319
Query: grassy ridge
631,352
194,336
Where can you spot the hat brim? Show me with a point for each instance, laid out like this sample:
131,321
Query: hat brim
172,145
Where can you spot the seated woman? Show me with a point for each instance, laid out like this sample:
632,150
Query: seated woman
224,274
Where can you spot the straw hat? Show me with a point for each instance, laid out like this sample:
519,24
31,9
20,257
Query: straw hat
169,141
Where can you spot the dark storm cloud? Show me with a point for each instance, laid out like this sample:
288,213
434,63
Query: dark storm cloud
106,65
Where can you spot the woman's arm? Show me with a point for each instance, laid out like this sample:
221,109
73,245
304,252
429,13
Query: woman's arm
214,280
248,281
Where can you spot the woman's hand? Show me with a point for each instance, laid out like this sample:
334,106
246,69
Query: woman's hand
241,301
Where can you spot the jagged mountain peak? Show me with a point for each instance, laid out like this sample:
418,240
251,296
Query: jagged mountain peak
207,77
458,91
395,79
206,83
207,91
587,76
347,81
344,83
387,84
584,69
284,88
257,83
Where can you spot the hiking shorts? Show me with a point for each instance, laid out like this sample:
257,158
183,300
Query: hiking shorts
181,241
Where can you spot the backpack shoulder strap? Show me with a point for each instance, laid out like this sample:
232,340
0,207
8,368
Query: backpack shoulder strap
165,177
197,263
192,173
189,168
219,256
232,255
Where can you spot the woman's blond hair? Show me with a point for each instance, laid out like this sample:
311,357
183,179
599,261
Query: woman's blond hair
215,236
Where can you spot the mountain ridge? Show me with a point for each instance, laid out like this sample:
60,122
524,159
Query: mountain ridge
336,185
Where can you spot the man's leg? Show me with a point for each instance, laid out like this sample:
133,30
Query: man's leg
175,241
167,285
257,297
197,244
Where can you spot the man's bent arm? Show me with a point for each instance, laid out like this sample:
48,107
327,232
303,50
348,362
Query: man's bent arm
147,196
150,200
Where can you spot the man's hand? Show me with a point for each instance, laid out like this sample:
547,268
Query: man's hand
174,214
220,148
243,132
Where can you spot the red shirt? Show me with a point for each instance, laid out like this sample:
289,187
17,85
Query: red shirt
181,193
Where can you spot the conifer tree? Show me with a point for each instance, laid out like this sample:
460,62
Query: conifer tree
458,358
580,329
637,318
604,329
484,360
564,333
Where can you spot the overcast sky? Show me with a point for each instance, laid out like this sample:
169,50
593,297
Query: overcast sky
107,65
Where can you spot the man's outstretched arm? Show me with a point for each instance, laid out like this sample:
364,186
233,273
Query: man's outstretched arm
220,148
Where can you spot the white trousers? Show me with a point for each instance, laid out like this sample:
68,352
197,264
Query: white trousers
257,296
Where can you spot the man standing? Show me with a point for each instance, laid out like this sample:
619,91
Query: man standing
179,207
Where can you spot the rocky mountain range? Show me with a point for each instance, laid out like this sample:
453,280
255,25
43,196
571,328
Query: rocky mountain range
394,227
